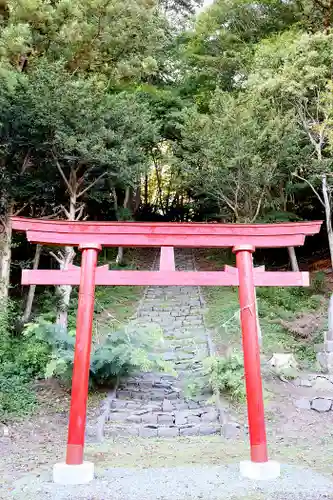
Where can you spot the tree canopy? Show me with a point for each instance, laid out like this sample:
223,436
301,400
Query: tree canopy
154,109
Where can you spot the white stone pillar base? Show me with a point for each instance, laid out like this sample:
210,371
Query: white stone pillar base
260,470
73,474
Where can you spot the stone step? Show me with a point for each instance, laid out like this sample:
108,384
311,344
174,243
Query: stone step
159,431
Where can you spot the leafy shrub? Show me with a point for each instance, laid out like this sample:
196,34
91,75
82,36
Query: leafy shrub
7,320
226,375
291,300
23,358
33,357
16,396
116,355
318,282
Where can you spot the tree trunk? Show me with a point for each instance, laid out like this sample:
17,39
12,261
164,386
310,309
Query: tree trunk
159,188
64,291
68,254
32,288
137,199
146,190
328,216
120,255
293,259
5,255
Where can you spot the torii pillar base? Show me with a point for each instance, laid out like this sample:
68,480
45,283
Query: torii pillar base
260,471
73,474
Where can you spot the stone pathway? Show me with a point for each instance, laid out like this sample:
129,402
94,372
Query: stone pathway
157,405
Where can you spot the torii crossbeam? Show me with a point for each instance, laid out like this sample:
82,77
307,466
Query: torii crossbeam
92,236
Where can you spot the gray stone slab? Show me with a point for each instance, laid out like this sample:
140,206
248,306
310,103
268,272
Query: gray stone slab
118,416
322,384
181,355
167,406
210,416
120,403
150,418
190,431
194,419
169,356
131,430
208,430
166,432
134,418
148,432
321,405
180,418
304,382
165,419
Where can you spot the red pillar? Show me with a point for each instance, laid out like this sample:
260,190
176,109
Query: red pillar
254,393
78,408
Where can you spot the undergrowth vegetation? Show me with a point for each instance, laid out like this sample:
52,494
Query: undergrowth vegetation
226,375
20,361
114,355
43,350
278,309
291,320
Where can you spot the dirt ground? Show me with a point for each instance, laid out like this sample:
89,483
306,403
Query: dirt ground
295,436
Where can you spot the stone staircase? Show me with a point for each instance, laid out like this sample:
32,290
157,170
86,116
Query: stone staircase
158,405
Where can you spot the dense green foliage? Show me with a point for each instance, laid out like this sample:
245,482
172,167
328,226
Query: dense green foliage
20,362
226,375
114,355
279,309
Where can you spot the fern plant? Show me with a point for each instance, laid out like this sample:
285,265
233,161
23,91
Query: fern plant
226,375
114,355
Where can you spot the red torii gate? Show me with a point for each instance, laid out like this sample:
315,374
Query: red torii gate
91,236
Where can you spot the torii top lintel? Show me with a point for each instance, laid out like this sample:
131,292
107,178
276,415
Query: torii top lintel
138,234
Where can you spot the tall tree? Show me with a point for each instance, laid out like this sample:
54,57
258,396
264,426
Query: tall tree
121,40
77,137
238,156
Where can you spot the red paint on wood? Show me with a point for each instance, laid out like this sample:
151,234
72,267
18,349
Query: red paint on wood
234,270
166,228
160,240
253,382
164,278
167,259
78,408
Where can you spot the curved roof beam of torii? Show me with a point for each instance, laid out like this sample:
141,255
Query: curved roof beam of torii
165,234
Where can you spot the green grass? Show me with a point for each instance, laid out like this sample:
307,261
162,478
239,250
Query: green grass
114,305
274,304
215,450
